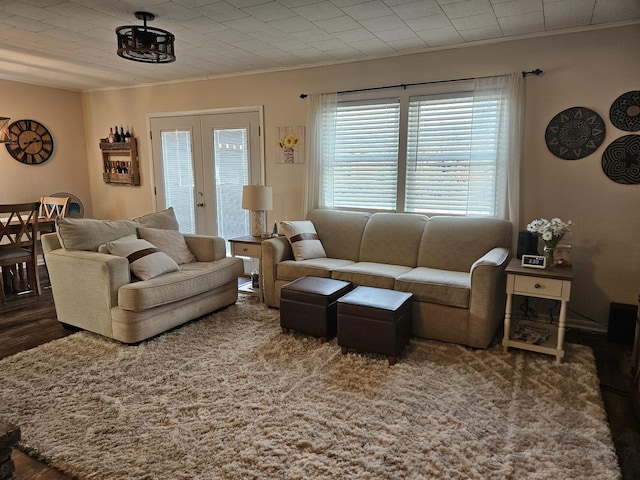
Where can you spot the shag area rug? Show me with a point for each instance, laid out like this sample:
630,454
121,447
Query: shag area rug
231,397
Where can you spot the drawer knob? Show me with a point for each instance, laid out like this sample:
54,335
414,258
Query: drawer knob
537,285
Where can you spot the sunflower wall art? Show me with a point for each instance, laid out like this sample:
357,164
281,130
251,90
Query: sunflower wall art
290,144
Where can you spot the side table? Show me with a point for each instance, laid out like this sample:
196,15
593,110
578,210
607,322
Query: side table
552,283
249,246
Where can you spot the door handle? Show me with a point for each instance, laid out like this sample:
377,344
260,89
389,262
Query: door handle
200,204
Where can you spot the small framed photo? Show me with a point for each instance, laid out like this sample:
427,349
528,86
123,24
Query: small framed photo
562,256
534,261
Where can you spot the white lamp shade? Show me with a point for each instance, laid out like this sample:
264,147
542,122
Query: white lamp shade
257,197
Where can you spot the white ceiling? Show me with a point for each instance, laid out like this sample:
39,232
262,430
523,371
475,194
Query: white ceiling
72,43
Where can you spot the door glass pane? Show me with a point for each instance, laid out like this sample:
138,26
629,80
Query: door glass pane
232,172
178,177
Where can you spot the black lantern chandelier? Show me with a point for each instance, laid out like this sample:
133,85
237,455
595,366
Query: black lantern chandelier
145,44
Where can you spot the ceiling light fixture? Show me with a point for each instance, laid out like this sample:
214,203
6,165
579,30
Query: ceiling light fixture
145,44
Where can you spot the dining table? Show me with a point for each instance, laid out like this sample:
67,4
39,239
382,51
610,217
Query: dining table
45,225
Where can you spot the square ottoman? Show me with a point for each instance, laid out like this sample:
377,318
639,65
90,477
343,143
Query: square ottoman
375,320
308,305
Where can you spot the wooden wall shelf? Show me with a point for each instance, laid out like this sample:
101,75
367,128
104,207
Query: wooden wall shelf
120,163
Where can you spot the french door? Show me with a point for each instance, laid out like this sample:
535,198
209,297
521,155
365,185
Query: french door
201,163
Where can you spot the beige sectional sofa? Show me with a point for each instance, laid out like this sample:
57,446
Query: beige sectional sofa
454,266
96,291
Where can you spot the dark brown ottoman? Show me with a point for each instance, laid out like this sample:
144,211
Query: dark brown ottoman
308,305
375,320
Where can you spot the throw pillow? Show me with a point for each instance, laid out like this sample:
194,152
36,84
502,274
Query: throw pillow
165,219
88,233
304,240
170,242
145,260
104,249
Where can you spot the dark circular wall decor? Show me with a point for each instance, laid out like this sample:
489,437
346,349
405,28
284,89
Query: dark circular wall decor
575,133
621,160
625,111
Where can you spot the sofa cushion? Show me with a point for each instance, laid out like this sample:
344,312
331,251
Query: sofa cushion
170,242
164,219
392,238
370,274
146,261
193,279
304,240
340,231
316,267
88,233
454,243
444,287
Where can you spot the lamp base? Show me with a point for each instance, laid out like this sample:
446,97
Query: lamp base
258,222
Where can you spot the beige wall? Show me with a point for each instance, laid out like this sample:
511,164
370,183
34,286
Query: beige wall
588,69
66,171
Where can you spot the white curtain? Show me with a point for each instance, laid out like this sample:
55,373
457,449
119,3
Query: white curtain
509,91
320,148
504,94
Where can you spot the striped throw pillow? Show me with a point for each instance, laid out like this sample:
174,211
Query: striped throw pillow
304,240
146,261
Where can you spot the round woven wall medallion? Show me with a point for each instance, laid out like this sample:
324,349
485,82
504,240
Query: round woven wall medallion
621,160
625,111
575,133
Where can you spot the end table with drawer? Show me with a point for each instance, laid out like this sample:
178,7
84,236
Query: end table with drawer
552,283
249,246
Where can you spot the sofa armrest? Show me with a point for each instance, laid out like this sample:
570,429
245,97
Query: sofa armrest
274,251
206,248
486,305
85,287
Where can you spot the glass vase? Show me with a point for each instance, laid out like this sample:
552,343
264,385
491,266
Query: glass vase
549,256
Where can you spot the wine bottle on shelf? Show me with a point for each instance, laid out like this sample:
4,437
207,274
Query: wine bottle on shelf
118,168
127,136
117,137
112,137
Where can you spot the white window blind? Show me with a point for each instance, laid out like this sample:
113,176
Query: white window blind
179,177
452,155
364,169
232,172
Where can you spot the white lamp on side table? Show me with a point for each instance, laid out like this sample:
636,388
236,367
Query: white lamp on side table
257,199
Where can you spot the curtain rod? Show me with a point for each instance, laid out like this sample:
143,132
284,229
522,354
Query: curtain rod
535,72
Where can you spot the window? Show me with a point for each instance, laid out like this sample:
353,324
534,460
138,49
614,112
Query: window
452,155
435,150
365,166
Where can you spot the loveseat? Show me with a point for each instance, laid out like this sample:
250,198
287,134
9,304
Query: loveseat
454,266
97,290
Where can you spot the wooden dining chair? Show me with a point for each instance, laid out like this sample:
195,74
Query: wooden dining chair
18,243
52,207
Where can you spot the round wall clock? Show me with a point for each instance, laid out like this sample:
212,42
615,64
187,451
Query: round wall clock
625,111
575,133
29,142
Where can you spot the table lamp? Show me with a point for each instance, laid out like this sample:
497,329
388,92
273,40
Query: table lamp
257,199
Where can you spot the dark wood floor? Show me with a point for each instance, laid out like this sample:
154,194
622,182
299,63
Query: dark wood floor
28,321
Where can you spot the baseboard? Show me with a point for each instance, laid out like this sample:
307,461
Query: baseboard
540,314
585,324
